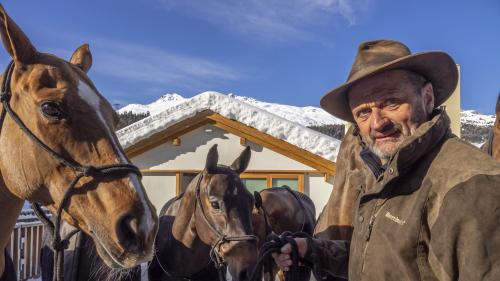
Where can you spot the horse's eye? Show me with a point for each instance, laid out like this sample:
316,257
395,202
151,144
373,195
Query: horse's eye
215,205
52,110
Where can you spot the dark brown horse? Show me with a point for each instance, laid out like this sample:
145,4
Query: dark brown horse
492,144
281,209
57,136
210,222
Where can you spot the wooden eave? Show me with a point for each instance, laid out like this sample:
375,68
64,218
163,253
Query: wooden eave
236,128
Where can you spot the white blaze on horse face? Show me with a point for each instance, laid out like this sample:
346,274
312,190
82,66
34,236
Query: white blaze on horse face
87,94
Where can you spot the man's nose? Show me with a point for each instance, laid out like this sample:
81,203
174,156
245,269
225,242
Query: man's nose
378,120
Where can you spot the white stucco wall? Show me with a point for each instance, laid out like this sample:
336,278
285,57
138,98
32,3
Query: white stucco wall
191,154
160,187
318,190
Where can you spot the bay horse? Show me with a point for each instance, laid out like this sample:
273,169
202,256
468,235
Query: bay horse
278,210
208,226
58,148
492,144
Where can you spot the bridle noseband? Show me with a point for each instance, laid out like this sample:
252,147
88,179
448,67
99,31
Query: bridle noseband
58,244
222,238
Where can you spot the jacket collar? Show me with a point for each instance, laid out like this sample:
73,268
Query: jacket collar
427,136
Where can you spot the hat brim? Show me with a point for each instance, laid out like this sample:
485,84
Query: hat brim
437,67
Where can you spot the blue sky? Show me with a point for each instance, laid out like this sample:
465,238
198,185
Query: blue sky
288,51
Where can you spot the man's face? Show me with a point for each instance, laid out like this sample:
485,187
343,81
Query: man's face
388,108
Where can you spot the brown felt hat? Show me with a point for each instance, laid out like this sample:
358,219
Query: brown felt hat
377,56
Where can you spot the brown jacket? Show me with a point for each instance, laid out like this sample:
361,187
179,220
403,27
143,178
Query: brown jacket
432,214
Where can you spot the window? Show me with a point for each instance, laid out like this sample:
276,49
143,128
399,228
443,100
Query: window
255,184
259,181
253,181
292,183
185,179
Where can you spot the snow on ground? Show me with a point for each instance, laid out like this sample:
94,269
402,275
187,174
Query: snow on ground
478,145
232,108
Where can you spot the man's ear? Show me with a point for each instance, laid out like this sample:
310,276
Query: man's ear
428,97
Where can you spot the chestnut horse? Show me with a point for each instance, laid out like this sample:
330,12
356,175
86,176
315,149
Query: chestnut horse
280,209
492,144
66,137
209,224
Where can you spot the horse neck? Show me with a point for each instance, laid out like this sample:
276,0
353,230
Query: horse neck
11,208
185,243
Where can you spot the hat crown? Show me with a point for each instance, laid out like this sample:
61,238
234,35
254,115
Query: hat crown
373,54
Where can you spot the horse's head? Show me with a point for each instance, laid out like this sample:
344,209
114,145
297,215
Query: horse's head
227,206
60,105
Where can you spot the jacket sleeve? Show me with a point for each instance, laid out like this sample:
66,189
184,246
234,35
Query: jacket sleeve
465,234
328,256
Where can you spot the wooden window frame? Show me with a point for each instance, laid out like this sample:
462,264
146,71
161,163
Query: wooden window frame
270,176
178,179
252,175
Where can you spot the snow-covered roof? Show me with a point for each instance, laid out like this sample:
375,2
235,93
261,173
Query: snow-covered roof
317,143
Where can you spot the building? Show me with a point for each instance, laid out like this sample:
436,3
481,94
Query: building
170,148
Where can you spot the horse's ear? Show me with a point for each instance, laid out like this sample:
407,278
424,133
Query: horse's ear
14,40
212,159
241,163
258,199
82,58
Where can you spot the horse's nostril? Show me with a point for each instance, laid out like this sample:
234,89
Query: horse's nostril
127,232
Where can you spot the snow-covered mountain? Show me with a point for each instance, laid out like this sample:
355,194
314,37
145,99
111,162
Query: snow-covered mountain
475,125
306,116
164,102
476,118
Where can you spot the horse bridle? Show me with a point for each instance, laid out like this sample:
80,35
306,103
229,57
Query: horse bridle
222,238
58,244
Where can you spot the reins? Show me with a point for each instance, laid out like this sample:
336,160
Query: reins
275,242
59,244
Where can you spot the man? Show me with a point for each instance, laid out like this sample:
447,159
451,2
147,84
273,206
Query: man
432,210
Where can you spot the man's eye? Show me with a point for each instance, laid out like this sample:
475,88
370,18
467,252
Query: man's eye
363,113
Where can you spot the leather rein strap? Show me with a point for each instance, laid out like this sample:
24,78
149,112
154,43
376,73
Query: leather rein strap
59,244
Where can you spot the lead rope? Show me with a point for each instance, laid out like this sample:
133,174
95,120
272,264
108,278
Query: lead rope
274,245
58,244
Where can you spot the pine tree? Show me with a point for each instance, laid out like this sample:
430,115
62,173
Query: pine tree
128,117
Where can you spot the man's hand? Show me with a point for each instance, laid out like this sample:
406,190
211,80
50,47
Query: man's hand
284,259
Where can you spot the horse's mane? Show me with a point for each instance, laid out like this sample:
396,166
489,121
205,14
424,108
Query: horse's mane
169,203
